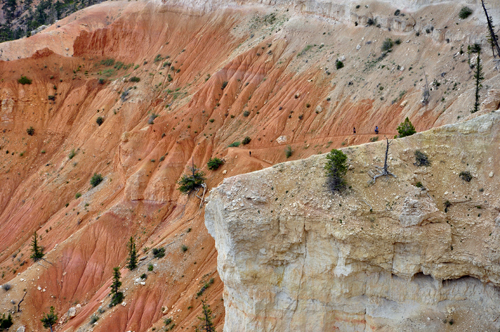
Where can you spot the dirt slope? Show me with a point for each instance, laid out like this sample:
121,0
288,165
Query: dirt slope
282,89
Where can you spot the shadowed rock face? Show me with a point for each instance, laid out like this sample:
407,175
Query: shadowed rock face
383,256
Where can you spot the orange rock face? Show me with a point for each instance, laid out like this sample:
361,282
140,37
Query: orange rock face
177,86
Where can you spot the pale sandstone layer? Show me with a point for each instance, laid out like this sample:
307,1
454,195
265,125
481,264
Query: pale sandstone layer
378,257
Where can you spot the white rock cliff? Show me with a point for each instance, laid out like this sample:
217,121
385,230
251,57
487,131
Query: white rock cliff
419,252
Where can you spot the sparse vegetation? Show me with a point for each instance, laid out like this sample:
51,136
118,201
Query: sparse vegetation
107,62
184,248
96,180
152,118
206,324
72,154
158,252
374,139
234,144
205,287
447,204
6,322
421,159
288,151
6,287
49,319
246,140
406,128
191,182
465,12
214,163
30,131
387,45
224,84
37,251
150,267
466,176
339,64
135,79
336,168
93,319
78,195
116,295
246,113
132,255
99,120
24,80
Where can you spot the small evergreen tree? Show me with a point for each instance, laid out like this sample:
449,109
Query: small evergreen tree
132,258
206,319
189,183
478,75
49,319
406,128
6,323
116,295
37,252
336,168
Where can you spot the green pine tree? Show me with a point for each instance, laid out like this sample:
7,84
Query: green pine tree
406,128
116,295
478,75
132,255
49,319
206,319
37,252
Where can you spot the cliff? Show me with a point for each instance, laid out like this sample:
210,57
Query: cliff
418,252
136,91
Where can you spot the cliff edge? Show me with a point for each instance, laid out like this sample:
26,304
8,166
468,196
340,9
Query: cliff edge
418,252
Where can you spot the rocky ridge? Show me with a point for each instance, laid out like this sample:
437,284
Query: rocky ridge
419,252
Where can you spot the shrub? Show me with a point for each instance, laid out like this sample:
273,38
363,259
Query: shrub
339,64
234,144
144,276
51,97
374,139
184,248
421,159
152,118
6,322
150,267
246,113
211,120
214,164
96,179
78,195
158,252
101,81
6,287
336,168
246,140
371,22
93,319
224,84
108,62
190,183
397,12
288,151
387,45
72,154
419,184
99,120
464,13
24,80
135,79
406,128
398,41
30,131
466,176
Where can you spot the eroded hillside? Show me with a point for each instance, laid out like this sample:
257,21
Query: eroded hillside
176,83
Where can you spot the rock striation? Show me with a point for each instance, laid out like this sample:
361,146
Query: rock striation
419,252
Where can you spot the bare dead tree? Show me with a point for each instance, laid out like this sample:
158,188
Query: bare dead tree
493,36
19,304
426,95
383,171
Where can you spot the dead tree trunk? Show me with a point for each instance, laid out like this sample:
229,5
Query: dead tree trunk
19,304
426,95
384,171
494,40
